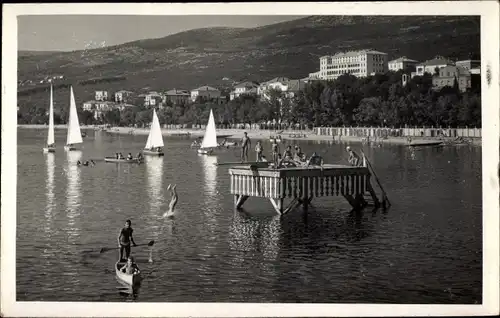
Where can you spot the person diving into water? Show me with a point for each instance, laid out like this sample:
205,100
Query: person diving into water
173,201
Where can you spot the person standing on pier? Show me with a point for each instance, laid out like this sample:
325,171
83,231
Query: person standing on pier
258,151
275,152
354,159
245,144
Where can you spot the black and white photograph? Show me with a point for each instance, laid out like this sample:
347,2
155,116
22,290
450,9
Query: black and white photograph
246,159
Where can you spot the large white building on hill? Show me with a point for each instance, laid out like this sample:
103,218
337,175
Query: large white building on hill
358,63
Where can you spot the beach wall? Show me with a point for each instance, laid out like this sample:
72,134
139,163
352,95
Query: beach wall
398,132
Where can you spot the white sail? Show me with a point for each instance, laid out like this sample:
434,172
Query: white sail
155,138
74,134
210,138
50,136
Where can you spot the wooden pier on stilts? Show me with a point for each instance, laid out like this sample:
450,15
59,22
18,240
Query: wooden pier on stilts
291,187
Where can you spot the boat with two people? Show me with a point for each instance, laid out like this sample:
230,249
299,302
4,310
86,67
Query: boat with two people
51,144
154,144
118,158
74,135
209,142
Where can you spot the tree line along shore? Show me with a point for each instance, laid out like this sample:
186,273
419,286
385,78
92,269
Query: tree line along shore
380,100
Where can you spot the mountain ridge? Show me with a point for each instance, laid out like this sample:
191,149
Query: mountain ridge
198,57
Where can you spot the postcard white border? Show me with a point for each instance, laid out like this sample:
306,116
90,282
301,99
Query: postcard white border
489,12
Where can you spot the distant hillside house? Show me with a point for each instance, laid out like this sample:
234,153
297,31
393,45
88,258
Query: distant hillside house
177,96
314,76
358,63
284,84
101,95
430,66
401,64
123,96
206,93
244,88
98,107
448,74
473,66
152,99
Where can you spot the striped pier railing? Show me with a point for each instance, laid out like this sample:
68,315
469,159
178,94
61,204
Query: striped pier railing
300,185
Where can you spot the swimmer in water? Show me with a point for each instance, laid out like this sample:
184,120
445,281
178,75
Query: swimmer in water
173,201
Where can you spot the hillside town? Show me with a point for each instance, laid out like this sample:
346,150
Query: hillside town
361,63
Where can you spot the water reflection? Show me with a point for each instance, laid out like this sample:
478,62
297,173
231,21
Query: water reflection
49,209
210,172
154,167
255,234
73,193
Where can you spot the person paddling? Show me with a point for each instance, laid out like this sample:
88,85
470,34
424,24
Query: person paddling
125,238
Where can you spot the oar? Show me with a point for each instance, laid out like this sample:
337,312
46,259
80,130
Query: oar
105,249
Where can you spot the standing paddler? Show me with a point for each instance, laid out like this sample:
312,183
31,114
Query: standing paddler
124,239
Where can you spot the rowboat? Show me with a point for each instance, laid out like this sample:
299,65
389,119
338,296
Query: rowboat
210,139
125,160
130,279
50,136
154,144
74,135
425,143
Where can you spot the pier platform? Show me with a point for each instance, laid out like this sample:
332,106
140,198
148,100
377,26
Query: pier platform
300,185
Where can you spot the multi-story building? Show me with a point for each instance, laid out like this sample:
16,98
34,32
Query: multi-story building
358,63
177,96
449,74
430,66
205,92
244,88
401,63
101,95
123,96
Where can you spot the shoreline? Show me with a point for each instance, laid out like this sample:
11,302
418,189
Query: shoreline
252,134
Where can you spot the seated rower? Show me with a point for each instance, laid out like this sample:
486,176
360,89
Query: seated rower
315,160
129,268
78,163
129,157
120,156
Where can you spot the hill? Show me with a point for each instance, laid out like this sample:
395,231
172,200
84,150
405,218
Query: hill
204,56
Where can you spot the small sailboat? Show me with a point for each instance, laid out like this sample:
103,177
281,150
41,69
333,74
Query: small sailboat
74,134
51,147
154,145
210,139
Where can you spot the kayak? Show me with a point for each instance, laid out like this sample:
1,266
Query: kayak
125,160
130,279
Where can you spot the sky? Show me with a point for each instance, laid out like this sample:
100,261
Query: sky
77,32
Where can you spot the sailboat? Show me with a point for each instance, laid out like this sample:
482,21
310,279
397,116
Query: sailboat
210,139
74,134
51,147
154,144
